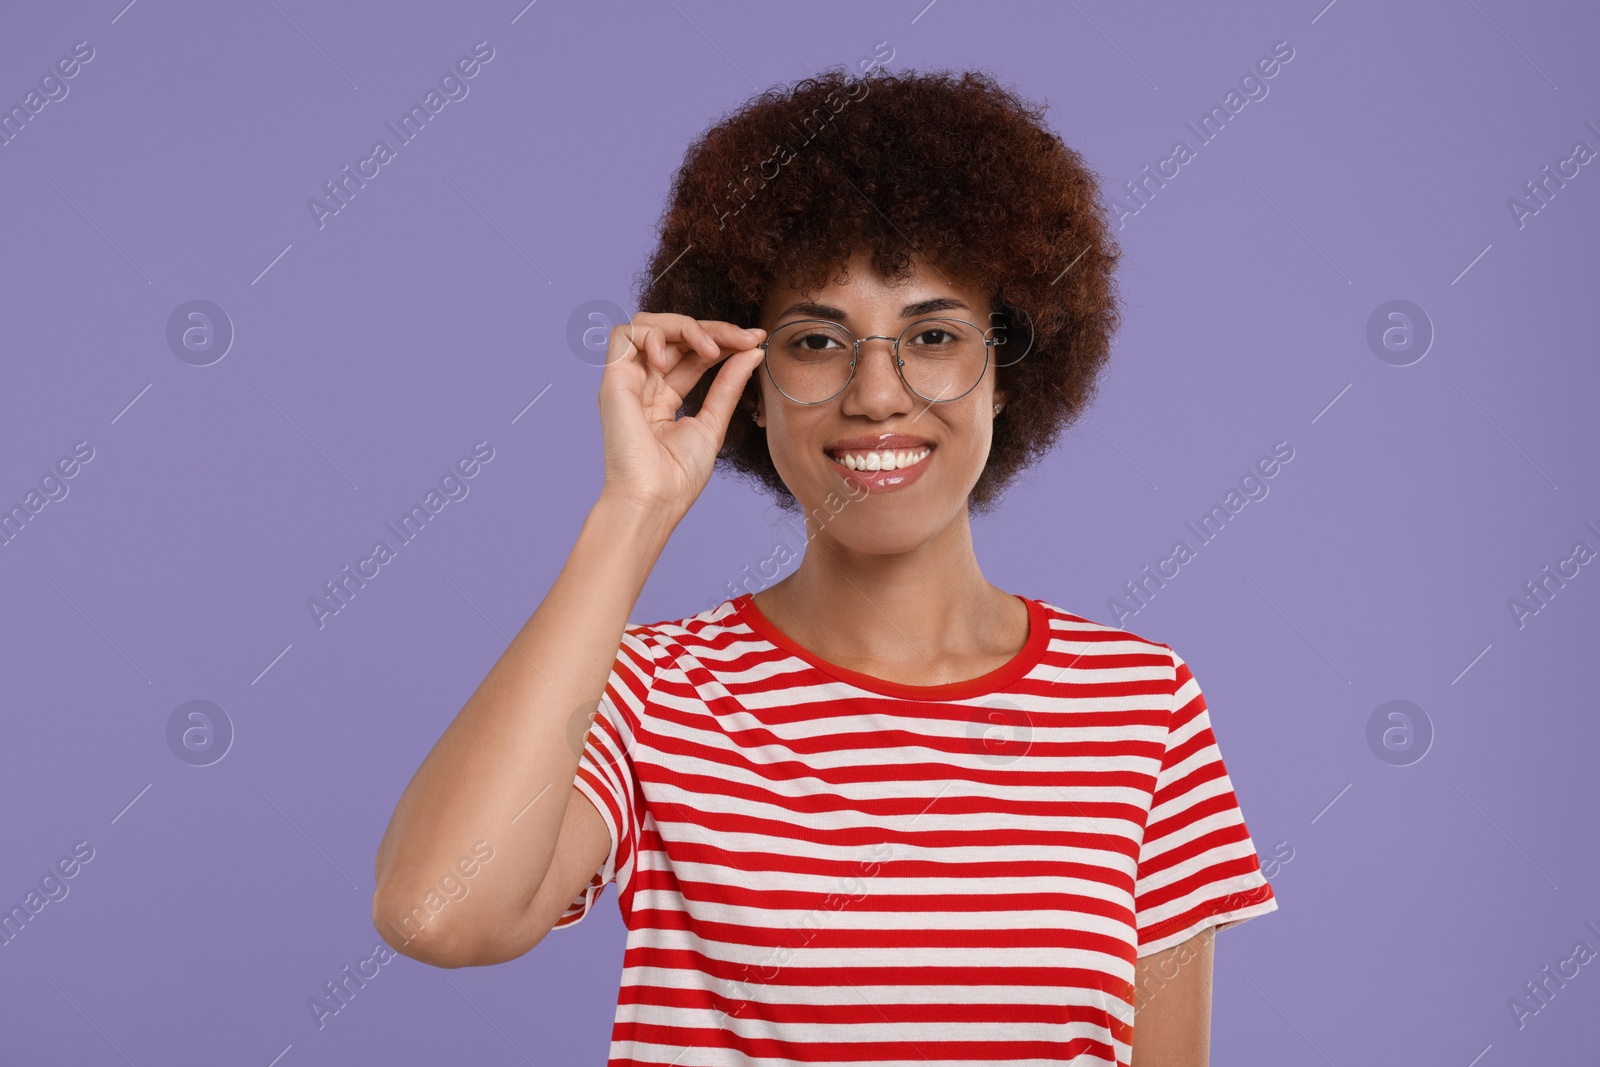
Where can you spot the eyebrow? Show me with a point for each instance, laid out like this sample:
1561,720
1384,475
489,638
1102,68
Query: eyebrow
813,310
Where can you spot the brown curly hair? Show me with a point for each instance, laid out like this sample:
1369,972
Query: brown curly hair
946,165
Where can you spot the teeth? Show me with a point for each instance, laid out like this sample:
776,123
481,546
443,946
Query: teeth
881,461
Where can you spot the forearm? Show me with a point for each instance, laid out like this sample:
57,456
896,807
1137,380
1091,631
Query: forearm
1172,1018
501,773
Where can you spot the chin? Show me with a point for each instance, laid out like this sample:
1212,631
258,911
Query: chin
879,524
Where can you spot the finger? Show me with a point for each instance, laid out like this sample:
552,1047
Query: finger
643,343
652,339
730,337
697,336
688,371
667,329
656,342
687,349
626,339
699,343
628,377
728,386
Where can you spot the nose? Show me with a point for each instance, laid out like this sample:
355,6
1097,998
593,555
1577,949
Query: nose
876,388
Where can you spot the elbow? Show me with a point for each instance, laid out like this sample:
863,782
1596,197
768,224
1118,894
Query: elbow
412,931
415,932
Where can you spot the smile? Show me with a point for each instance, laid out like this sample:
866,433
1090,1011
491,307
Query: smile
880,461
881,470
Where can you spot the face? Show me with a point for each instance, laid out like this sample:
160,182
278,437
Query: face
880,511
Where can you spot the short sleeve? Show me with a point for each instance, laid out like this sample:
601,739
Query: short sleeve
605,767
1197,865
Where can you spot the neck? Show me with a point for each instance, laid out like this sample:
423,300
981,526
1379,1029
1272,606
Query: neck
889,607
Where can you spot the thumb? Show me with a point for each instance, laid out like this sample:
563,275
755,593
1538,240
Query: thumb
729,385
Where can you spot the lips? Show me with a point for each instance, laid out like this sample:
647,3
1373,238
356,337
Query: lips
909,454
888,442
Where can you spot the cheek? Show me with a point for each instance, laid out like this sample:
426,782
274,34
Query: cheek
785,435
978,437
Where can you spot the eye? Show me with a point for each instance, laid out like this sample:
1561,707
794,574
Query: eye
809,343
816,341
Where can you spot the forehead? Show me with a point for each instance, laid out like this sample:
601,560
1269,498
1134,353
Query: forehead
856,291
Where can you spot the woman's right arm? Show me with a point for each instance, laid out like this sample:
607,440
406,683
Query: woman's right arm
502,772
508,746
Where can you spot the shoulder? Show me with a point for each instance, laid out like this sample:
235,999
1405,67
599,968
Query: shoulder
665,638
1069,626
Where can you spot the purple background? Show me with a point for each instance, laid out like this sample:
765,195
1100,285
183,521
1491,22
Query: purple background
370,354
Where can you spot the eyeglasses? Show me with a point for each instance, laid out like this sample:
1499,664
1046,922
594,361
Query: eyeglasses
811,361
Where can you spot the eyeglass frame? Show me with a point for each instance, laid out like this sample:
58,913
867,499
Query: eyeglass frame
899,364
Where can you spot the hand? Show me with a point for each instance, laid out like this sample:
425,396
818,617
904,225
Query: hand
653,458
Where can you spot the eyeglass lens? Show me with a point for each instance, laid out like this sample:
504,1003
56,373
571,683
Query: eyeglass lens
810,360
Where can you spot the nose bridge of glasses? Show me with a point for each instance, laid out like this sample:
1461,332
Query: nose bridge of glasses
857,371
892,342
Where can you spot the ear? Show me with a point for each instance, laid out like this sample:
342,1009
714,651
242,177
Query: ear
755,407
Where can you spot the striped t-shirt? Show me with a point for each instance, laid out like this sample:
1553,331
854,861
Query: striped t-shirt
818,866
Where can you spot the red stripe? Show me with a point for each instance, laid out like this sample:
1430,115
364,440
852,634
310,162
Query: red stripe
865,835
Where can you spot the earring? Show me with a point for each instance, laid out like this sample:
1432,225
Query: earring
755,416
997,409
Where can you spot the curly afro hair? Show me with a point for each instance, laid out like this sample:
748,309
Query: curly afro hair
946,165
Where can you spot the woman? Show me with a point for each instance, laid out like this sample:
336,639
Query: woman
880,811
